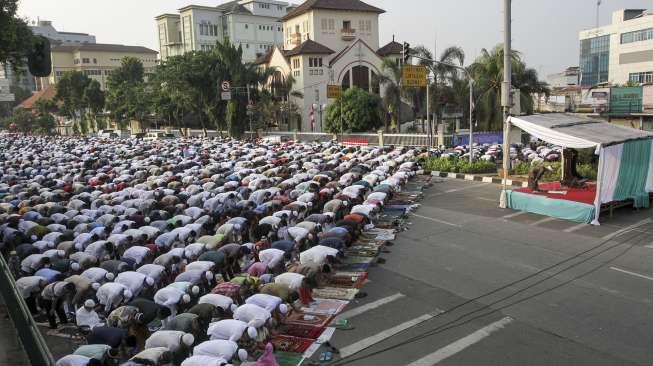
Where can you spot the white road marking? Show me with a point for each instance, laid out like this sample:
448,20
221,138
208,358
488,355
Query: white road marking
487,199
370,306
379,337
632,273
459,345
436,220
544,220
628,228
575,227
518,213
465,188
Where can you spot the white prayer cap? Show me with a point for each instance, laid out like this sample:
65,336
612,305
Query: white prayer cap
195,290
186,298
283,308
208,275
251,332
95,286
89,303
188,339
149,281
109,276
75,266
242,355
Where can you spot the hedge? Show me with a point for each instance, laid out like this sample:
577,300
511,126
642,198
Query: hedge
458,165
588,171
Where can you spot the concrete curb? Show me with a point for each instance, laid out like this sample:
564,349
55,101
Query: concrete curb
480,178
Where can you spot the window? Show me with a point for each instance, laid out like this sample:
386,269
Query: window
361,25
324,24
368,25
86,61
246,26
315,62
637,36
296,73
641,77
316,72
76,61
278,29
346,25
95,60
296,64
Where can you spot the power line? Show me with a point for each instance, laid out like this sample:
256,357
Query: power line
345,361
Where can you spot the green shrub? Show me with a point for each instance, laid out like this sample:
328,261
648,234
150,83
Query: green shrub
456,165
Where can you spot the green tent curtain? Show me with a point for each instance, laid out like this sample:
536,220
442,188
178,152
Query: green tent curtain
633,172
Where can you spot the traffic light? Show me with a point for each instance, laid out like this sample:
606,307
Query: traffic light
406,52
38,57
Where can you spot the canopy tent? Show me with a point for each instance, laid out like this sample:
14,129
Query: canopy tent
625,155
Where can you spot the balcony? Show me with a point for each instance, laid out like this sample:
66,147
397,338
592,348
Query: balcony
348,34
296,39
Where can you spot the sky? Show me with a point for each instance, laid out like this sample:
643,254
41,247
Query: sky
544,31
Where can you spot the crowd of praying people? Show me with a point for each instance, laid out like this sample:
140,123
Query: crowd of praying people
189,252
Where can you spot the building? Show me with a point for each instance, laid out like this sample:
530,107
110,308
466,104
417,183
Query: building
569,77
620,52
329,42
254,25
46,29
94,60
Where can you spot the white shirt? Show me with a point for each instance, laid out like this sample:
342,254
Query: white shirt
272,257
134,281
253,315
200,265
170,339
203,361
220,348
136,253
290,279
95,274
152,270
110,293
73,360
28,285
316,254
297,233
87,318
228,329
265,301
221,301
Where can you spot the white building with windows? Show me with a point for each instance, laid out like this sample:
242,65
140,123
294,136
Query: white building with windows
620,52
329,42
46,29
253,24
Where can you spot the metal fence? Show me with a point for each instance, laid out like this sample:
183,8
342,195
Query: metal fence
33,342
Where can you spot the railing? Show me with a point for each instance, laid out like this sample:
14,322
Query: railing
371,139
33,343
348,34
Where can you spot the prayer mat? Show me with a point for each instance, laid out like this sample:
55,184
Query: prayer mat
335,293
325,307
362,251
353,267
299,324
288,359
348,280
286,343
354,259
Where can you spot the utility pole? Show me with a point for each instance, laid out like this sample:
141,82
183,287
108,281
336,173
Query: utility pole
428,109
598,4
506,96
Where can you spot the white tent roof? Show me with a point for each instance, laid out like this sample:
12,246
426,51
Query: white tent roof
572,131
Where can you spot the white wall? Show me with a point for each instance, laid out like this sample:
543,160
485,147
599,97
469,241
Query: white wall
333,38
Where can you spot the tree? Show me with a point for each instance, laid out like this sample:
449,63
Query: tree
16,39
126,95
487,72
19,121
71,92
94,101
390,78
356,111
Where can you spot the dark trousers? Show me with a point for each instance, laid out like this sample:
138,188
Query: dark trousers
31,305
55,306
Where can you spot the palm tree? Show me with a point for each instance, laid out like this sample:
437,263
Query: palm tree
487,72
445,77
390,78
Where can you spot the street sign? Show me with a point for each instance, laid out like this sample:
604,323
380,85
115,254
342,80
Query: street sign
226,86
226,95
413,76
334,91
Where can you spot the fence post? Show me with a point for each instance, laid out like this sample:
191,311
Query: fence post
440,134
294,135
380,132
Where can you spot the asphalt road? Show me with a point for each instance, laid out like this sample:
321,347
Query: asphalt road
592,310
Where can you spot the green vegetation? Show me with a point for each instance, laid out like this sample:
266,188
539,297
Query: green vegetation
356,111
458,165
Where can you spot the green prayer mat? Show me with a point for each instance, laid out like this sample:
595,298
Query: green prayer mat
288,359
